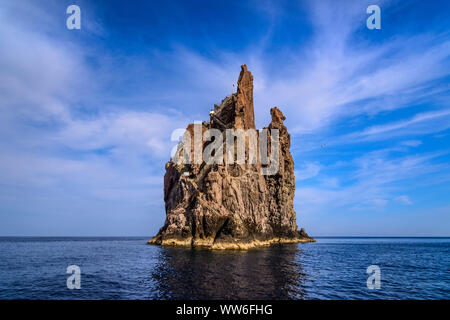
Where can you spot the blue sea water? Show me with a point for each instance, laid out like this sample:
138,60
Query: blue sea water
127,268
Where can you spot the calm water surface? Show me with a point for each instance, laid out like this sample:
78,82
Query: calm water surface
127,268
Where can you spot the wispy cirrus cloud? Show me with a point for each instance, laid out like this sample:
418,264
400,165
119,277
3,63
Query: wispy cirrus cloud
372,181
307,171
404,199
419,124
348,80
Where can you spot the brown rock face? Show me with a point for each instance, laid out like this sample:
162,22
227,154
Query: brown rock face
232,205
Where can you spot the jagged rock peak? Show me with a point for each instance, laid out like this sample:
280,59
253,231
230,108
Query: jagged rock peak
245,93
236,111
245,84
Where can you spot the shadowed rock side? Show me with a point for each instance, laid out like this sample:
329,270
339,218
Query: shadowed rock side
232,206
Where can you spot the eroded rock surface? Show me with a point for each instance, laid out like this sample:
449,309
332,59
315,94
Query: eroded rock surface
232,206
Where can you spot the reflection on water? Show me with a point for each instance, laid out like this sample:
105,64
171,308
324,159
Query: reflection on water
266,273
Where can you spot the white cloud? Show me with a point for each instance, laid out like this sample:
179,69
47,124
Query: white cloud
371,180
124,131
334,78
404,200
308,170
415,120
412,143
52,150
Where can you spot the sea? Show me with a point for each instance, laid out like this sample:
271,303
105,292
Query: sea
127,268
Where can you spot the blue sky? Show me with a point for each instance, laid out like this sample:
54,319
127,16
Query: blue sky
86,115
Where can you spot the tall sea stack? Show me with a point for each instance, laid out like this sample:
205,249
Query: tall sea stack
232,205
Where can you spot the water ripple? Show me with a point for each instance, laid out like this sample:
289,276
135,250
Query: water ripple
127,268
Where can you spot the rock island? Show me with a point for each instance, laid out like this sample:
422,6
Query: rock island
220,204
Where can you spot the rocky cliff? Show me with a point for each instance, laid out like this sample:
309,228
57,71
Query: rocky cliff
231,204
